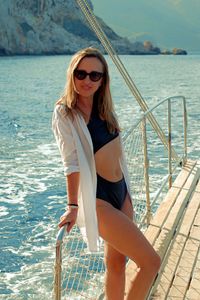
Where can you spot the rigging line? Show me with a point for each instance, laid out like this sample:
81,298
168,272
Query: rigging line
106,43
108,47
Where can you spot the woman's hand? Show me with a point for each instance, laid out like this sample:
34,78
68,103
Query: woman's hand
69,217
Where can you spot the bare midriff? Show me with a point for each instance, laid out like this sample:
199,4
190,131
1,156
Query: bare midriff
107,160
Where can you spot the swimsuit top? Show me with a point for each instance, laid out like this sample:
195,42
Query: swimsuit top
98,129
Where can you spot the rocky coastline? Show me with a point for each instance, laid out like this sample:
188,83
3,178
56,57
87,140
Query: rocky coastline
49,27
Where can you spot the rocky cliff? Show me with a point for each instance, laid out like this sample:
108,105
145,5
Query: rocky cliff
53,27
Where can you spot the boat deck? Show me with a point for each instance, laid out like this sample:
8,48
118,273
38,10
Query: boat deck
174,231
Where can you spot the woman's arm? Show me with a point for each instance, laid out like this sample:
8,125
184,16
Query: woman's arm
72,187
66,144
70,216
65,140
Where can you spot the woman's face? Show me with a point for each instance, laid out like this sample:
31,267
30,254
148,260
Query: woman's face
86,87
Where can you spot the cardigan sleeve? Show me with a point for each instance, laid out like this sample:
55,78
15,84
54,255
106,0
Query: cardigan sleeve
64,139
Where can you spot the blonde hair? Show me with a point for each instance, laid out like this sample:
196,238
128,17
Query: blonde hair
102,95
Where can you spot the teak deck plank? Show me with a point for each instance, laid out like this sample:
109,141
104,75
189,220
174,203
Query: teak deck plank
154,228
193,292
171,262
174,232
194,287
182,274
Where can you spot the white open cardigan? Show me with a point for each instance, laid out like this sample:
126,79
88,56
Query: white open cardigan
76,149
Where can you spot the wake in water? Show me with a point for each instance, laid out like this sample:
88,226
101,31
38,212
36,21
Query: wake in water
32,186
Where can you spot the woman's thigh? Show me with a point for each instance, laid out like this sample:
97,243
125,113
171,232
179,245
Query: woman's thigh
121,233
112,256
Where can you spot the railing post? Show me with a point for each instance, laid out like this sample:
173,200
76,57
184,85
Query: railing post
146,170
58,263
57,271
169,144
185,128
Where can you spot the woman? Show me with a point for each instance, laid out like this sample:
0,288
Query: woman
88,136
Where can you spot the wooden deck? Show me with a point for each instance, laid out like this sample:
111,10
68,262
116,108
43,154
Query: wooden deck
174,232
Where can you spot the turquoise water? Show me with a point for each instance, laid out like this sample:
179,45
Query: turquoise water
32,186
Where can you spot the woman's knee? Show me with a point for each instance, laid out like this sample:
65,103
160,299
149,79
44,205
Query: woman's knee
155,263
152,265
115,264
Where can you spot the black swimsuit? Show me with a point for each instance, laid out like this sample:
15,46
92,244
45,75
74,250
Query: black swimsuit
112,192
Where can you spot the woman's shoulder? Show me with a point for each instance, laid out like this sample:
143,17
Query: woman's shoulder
61,111
60,107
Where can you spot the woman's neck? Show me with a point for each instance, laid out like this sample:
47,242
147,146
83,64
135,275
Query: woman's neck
85,107
85,101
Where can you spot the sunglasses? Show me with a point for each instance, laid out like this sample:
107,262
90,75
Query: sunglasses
82,74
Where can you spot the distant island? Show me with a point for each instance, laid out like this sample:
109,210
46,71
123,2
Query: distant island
48,27
175,51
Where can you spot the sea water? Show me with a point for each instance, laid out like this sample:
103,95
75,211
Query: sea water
32,186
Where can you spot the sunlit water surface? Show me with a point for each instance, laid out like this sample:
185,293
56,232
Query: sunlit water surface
32,184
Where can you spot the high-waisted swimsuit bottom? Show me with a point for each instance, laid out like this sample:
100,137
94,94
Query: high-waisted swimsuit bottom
111,192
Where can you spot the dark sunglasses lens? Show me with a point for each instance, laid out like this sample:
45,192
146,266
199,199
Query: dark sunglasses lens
95,76
80,74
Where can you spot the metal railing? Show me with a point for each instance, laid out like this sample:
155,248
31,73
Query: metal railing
58,263
179,161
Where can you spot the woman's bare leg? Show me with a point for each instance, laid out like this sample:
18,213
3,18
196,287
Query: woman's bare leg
126,239
116,263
